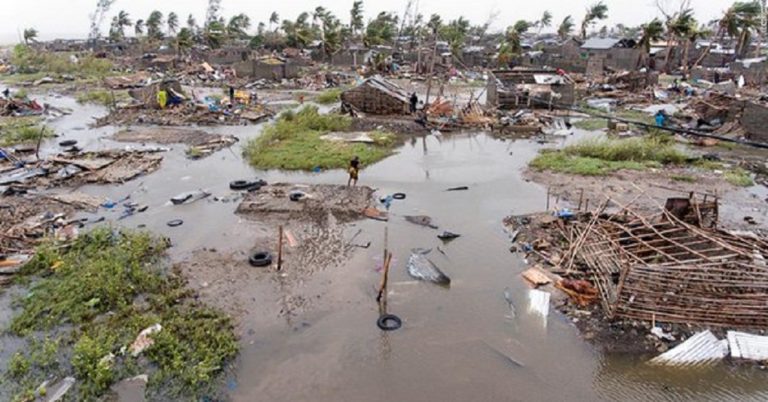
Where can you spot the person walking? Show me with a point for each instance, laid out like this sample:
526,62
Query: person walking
414,101
354,171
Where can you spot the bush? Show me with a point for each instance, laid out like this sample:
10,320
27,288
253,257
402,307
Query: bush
329,96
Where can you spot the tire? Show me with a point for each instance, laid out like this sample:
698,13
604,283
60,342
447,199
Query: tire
396,323
398,196
174,223
260,259
240,184
297,196
68,143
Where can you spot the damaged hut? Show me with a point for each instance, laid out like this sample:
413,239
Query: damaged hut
674,266
530,88
148,95
376,95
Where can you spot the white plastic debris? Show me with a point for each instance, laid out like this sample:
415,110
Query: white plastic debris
59,389
747,346
700,349
659,333
538,303
143,341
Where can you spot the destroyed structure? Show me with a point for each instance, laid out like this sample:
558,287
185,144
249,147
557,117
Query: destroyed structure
378,96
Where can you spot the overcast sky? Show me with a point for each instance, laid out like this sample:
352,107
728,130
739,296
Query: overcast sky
69,18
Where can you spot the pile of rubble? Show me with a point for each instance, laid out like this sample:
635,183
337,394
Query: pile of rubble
669,266
102,167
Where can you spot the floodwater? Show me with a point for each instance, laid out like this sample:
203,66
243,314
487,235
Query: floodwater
457,343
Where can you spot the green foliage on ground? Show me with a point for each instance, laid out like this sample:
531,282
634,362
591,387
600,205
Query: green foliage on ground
101,292
595,157
293,142
329,96
739,177
102,97
593,124
27,60
22,130
683,178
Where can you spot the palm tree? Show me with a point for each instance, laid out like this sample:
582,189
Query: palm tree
191,23
435,22
652,32
184,40
356,17
118,25
238,26
736,22
565,28
598,11
154,22
273,19
678,26
545,21
138,29
30,35
173,23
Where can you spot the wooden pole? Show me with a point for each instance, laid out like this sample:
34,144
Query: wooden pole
581,198
385,278
280,248
547,198
431,71
386,243
39,140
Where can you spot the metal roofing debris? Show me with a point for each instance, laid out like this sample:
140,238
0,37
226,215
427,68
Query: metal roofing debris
700,349
538,302
388,87
747,346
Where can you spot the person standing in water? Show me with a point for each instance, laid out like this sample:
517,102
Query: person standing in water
354,171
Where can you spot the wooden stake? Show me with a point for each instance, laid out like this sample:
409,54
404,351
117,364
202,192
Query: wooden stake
280,248
39,140
547,198
581,198
384,279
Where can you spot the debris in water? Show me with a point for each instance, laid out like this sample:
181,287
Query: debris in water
538,303
700,349
421,220
420,267
446,235
462,188
508,298
189,197
58,391
659,333
536,277
748,346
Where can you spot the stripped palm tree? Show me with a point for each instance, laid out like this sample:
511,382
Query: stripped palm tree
565,28
652,32
737,22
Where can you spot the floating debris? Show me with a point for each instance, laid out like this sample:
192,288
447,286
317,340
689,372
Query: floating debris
420,267
701,349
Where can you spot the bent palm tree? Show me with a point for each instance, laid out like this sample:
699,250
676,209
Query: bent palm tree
598,11
565,28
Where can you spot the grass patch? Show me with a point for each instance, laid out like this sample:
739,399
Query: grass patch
293,142
107,287
593,124
683,178
739,177
595,157
102,97
30,61
329,96
22,130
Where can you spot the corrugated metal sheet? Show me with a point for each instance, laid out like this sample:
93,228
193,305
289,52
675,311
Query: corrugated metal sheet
538,302
748,346
702,348
600,43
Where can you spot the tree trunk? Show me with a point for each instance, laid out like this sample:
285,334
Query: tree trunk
668,57
720,35
685,56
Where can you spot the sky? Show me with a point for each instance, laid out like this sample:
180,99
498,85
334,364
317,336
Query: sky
69,18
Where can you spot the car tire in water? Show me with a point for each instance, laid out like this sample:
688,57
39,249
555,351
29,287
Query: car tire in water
389,322
398,196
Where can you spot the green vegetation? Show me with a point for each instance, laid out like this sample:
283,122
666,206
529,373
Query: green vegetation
683,178
329,96
102,97
599,157
22,130
592,124
293,142
739,177
30,61
107,287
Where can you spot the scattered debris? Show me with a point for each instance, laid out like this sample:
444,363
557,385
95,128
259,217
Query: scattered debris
536,277
747,346
538,303
144,340
421,220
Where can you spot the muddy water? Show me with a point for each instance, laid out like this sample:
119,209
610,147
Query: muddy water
456,344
